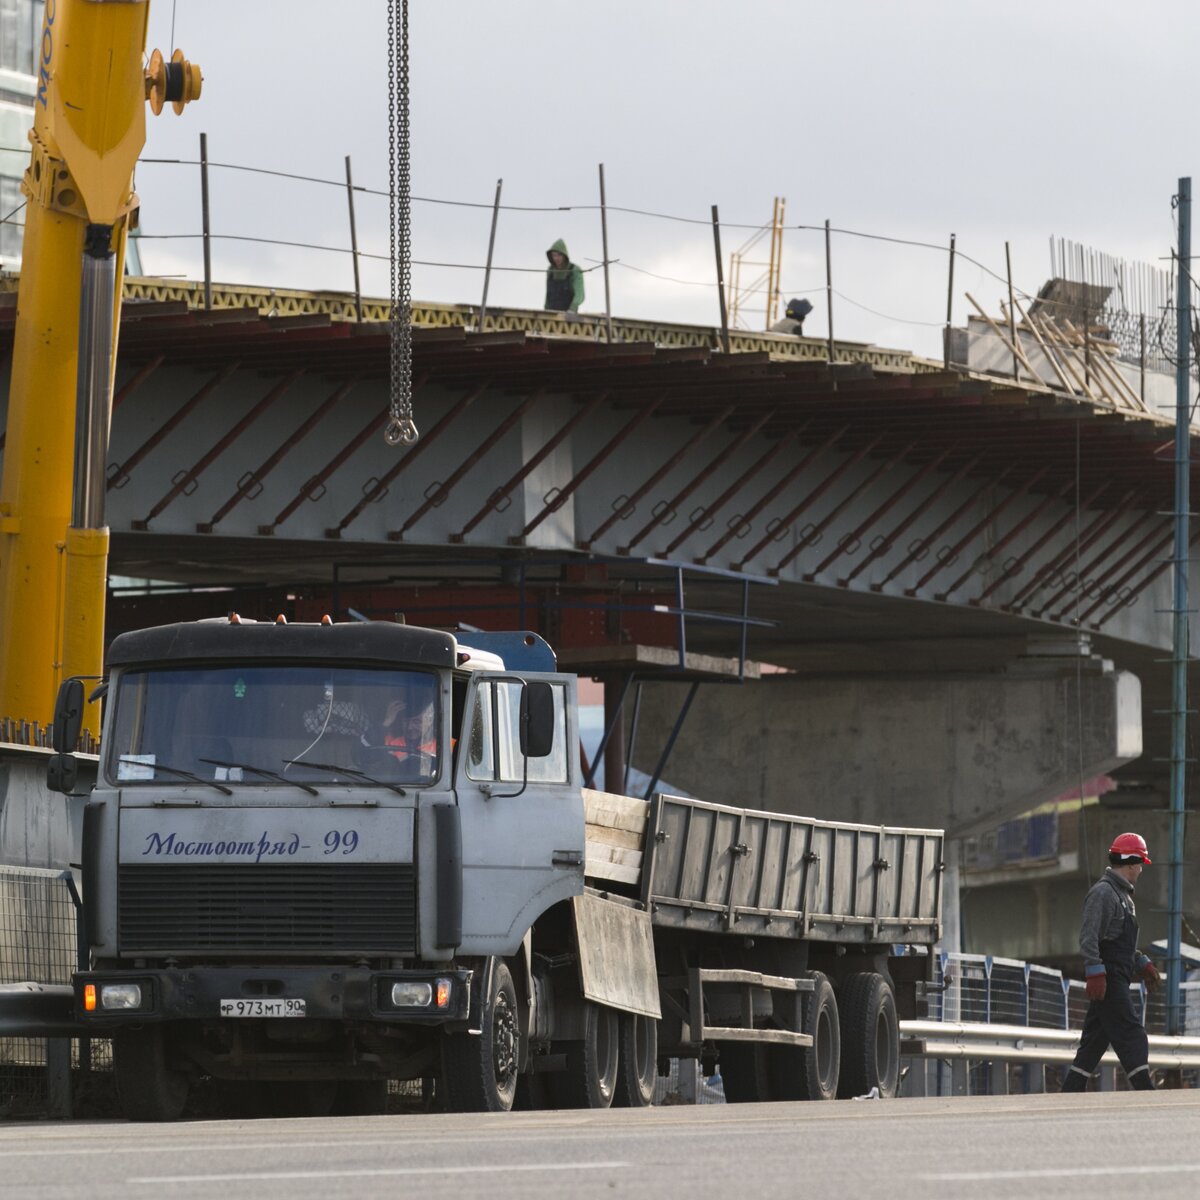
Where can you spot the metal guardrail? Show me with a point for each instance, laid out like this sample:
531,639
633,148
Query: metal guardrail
39,1010
982,989
980,1042
999,1024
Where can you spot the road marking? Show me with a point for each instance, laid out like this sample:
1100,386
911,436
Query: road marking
258,1177
196,1147
1060,1172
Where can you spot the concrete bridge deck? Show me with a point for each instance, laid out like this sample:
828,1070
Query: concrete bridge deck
904,533
246,443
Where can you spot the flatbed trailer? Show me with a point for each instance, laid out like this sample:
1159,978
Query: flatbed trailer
770,913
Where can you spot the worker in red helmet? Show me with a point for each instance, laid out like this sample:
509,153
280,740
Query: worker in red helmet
1111,961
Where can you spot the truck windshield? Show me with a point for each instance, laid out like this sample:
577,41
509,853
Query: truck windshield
265,725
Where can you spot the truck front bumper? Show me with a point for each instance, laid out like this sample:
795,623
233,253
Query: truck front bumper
111,999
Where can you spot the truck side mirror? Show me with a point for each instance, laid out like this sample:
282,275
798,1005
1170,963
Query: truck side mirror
537,719
62,773
68,716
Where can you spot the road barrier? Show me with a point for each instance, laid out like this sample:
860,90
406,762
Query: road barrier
1028,1044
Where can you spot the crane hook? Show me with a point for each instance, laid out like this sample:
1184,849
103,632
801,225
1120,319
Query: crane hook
400,432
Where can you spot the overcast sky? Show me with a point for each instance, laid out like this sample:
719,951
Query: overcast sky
998,122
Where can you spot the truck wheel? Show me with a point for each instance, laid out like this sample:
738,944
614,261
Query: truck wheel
637,1061
811,1072
480,1072
745,1072
870,1037
149,1087
590,1079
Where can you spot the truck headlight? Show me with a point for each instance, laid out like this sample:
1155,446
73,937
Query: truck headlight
120,995
412,994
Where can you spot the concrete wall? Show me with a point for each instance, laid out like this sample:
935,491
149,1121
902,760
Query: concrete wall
38,828
959,753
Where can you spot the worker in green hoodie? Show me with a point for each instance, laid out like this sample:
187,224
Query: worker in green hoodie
564,280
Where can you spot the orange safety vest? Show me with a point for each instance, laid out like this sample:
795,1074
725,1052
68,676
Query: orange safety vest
391,739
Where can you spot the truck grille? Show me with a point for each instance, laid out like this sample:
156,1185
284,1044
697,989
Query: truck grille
192,907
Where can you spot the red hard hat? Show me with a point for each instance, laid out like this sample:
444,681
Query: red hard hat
1130,845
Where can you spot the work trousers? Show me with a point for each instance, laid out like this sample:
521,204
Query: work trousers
1111,1022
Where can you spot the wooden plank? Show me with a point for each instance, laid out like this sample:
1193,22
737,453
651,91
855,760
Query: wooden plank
1014,347
614,872
1110,372
604,836
615,811
602,817
1027,322
1059,341
614,854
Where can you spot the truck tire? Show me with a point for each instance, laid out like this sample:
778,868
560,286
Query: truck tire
480,1072
811,1072
746,1072
870,1036
637,1061
590,1079
148,1086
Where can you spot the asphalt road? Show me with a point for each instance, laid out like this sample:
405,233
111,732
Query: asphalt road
921,1149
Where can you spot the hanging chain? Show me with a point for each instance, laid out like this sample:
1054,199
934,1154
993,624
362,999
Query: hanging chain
400,429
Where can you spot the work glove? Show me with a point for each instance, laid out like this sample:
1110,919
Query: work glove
1150,977
1097,986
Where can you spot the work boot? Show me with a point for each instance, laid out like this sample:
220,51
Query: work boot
1075,1080
1140,1080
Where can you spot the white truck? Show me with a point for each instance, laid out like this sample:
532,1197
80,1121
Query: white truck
319,857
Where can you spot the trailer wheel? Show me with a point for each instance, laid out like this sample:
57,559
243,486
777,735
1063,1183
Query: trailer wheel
637,1061
870,1036
745,1072
149,1087
480,1072
811,1072
590,1079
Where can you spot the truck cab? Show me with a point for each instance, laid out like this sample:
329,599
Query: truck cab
341,824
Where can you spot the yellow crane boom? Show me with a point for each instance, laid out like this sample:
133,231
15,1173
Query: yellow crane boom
89,128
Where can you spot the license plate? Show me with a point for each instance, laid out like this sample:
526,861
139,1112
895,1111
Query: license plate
262,1008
